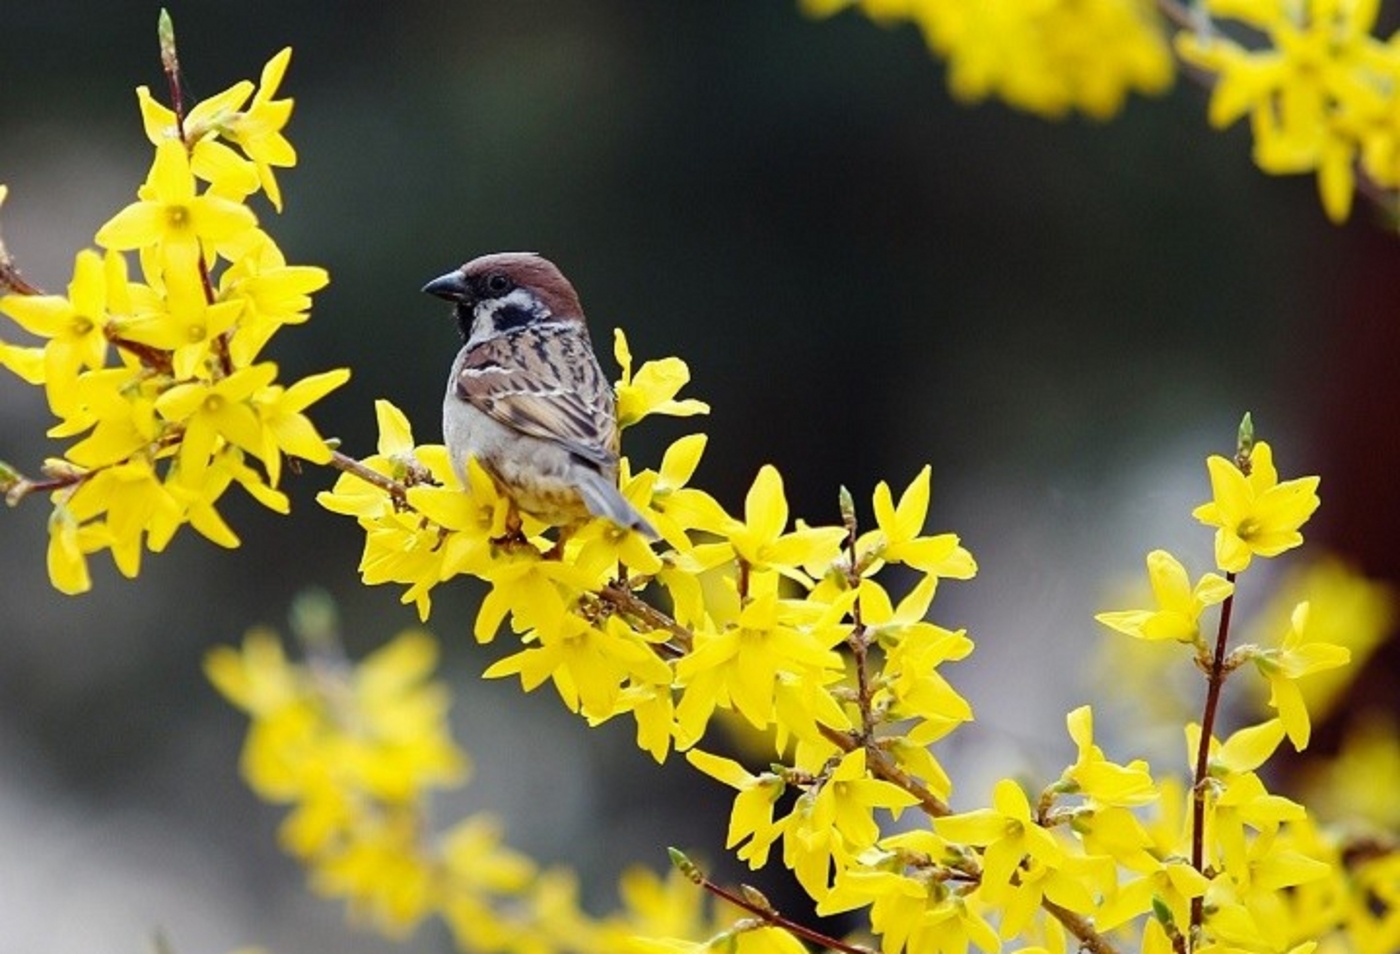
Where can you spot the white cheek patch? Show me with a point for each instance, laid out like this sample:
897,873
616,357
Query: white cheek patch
486,318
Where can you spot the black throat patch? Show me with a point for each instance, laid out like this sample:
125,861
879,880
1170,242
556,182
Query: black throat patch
508,317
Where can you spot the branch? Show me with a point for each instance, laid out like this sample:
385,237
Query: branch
10,279
1081,927
1215,679
349,465
620,598
879,763
753,902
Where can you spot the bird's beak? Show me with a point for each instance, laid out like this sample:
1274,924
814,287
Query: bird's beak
452,286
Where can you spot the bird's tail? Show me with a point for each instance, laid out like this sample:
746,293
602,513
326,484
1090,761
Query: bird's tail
603,499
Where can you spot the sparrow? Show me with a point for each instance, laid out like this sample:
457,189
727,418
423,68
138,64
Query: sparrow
526,396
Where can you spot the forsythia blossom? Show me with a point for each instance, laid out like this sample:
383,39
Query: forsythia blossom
161,375
1179,604
1320,91
1254,514
355,750
1319,88
1049,57
815,636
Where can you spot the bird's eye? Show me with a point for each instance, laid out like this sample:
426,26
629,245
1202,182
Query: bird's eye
498,284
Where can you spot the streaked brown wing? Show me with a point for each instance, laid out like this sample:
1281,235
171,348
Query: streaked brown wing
544,382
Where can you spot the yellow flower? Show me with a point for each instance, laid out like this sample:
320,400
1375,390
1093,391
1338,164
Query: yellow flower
1102,782
1298,656
1346,609
214,411
356,750
898,540
914,649
1311,90
751,820
667,503
134,500
1172,883
1048,57
69,545
185,324
1255,515
587,664
228,174
654,388
273,294
26,362
915,915
258,130
170,215
1007,833
121,413
1179,604
760,541
285,428
408,546
740,667
73,324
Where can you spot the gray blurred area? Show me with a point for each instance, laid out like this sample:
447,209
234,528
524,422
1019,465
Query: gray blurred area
864,276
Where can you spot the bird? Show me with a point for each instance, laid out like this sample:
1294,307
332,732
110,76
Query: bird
526,396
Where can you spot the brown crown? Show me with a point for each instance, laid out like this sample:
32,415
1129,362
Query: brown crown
534,272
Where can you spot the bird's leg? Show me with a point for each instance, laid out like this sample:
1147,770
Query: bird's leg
514,522
556,552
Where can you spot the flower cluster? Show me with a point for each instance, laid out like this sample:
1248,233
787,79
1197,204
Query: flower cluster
1321,92
1048,57
794,629
162,378
816,636
355,750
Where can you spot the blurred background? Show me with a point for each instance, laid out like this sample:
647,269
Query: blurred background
864,276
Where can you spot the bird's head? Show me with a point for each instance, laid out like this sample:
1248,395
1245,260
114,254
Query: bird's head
497,293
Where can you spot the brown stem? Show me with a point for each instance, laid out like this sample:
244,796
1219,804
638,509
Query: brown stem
879,763
10,279
625,601
349,465
153,358
770,916
1215,679
170,64
1081,927
1178,15
859,639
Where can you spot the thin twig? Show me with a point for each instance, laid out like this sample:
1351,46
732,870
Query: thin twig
1081,927
10,279
1215,679
625,601
763,912
879,764
859,639
153,358
349,465
1178,15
